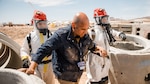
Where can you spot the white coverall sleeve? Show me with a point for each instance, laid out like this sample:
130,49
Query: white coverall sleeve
115,33
25,51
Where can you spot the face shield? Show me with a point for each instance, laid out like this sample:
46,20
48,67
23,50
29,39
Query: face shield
42,26
105,20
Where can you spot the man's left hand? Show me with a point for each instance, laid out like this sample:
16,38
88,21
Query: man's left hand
102,52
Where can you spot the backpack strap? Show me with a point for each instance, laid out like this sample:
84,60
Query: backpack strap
29,42
29,39
49,33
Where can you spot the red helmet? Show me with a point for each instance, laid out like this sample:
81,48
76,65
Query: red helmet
38,15
98,12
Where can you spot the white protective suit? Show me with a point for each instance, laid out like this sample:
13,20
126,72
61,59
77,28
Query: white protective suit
94,64
44,71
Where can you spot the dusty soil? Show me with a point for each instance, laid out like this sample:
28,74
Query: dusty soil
18,33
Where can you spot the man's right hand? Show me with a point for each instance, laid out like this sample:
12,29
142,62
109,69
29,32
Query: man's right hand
32,67
30,71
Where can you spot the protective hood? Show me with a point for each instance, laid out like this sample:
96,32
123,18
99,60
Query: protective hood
40,26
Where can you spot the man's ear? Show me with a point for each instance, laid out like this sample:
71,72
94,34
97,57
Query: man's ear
73,25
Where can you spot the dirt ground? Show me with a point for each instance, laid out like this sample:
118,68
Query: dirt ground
18,34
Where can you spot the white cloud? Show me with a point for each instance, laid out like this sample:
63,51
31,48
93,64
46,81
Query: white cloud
44,3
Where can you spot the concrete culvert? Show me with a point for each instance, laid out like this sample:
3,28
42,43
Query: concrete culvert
9,61
11,76
9,53
128,45
132,44
130,61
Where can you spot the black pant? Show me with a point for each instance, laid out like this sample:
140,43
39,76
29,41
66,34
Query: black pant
103,81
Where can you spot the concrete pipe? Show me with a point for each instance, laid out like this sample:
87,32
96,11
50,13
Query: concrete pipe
130,61
11,76
10,58
9,53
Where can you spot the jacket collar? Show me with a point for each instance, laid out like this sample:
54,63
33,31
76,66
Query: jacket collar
70,34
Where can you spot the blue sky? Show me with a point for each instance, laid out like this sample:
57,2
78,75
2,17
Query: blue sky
20,11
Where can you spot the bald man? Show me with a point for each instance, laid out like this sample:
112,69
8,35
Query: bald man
68,47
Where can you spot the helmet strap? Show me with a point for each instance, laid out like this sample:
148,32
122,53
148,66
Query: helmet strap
98,22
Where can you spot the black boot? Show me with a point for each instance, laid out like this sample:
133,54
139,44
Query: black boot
103,81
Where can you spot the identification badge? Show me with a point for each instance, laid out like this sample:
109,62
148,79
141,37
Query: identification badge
81,65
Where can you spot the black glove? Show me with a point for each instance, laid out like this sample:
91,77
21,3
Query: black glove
122,36
25,63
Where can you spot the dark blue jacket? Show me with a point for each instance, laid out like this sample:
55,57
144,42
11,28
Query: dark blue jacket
66,53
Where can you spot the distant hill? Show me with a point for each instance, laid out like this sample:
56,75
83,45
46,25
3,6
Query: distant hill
144,19
116,19
147,17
